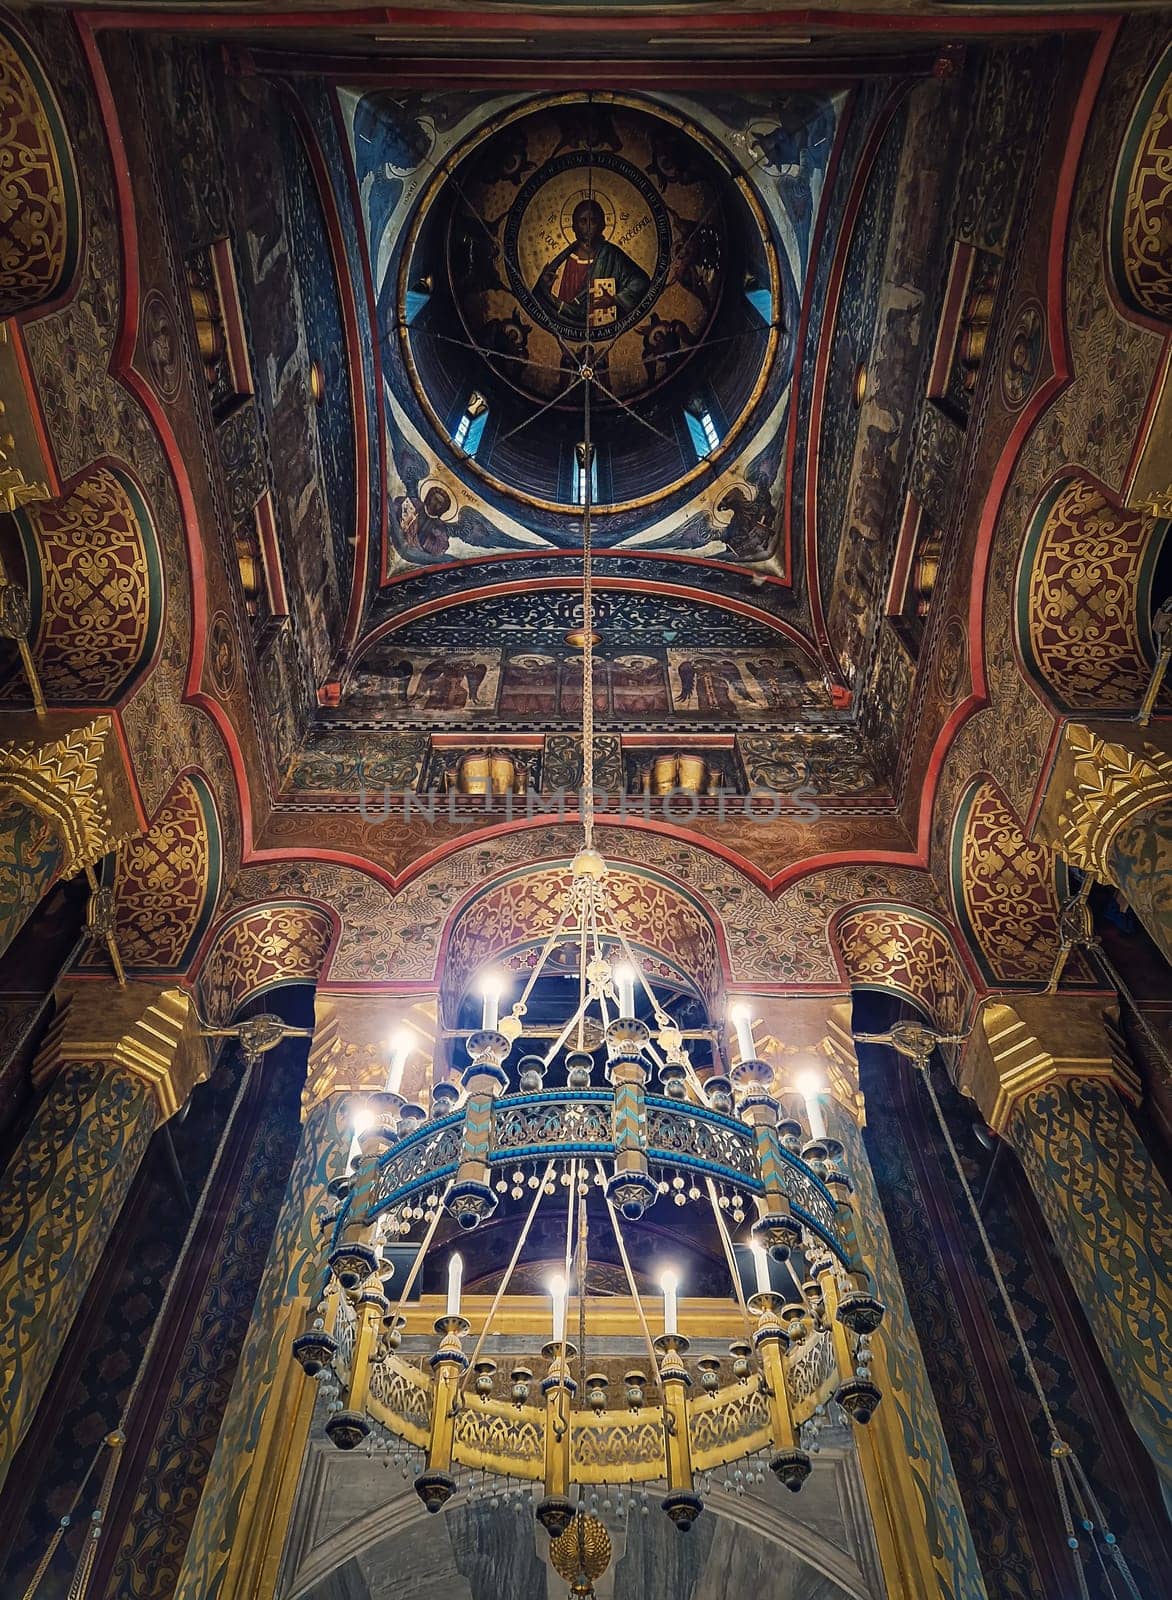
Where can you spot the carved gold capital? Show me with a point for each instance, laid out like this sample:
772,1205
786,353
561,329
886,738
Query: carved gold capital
150,1032
352,1050
1038,1040
1104,775
75,778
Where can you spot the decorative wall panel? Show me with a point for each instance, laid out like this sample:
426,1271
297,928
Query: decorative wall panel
38,186
1084,598
95,584
260,949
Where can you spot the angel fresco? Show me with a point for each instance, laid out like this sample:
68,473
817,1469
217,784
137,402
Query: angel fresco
749,530
711,685
665,339
426,525
449,684
638,686
529,686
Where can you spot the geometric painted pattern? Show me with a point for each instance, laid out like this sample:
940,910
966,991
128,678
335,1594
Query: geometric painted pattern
39,249
901,949
95,588
1084,598
167,881
260,949
1006,890
1139,208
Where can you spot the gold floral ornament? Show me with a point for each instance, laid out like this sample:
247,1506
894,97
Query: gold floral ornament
60,779
38,190
1112,785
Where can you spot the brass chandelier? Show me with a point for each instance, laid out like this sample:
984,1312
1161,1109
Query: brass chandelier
724,1142
551,1424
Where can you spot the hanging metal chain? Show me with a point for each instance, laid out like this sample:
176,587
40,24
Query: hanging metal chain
587,610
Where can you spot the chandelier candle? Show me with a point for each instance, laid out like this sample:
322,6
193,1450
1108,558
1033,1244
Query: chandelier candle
557,1290
491,990
400,1050
670,1284
812,1086
625,979
742,1019
455,1279
761,1267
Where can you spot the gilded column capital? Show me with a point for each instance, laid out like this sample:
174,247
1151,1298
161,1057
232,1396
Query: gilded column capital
1015,1049
151,1033
75,777
1104,776
352,1044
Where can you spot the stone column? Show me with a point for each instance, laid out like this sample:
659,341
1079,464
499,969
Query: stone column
64,803
1048,1073
1108,810
922,1534
235,1548
116,1063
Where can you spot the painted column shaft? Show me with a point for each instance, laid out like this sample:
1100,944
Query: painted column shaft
1110,1216
112,1067
31,854
1140,860
59,1200
234,1550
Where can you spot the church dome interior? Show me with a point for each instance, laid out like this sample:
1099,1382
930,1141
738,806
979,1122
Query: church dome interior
585,801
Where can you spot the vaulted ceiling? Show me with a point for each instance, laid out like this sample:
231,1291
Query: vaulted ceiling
774,291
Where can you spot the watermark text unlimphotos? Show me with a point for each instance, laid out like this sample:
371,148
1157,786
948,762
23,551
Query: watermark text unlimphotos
676,805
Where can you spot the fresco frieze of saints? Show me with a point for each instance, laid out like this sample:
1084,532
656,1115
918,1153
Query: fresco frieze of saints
541,685
613,232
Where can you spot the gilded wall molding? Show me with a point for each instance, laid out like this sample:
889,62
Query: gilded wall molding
1104,779
153,1034
350,1053
1038,1040
61,779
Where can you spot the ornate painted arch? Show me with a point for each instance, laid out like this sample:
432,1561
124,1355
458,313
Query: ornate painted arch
95,588
515,914
261,948
1137,236
1007,891
167,882
1084,597
901,949
39,196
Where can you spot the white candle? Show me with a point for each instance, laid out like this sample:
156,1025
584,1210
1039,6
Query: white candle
491,990
455,1278
761,1267
670,1284
400,1050
743,1022
812,1086
557,1290
625,979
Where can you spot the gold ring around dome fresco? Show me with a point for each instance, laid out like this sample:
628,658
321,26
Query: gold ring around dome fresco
442,172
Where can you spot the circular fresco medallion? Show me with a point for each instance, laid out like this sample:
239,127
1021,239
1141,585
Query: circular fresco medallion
594,239
1023,356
